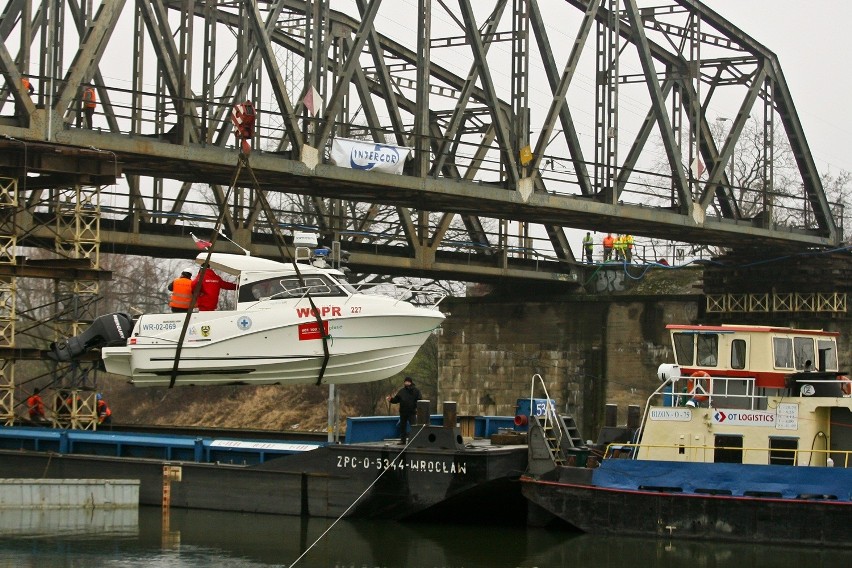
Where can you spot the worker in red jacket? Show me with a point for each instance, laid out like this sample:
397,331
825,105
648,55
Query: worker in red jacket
35,407
208,297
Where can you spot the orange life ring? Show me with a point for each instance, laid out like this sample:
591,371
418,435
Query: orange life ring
695,380
845,385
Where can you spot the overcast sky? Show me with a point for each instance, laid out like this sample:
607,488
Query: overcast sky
812,41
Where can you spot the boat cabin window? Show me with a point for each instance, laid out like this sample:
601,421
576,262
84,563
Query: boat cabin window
700,349
738,354
782,451
803,348
279,288
827,354
728,449
684,346
783,349
707,348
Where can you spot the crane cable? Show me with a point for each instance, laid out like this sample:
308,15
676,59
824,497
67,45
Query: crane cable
279,241
243,160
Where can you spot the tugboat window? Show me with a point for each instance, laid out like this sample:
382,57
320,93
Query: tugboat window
708,349
728,449
738,354
684,344
782,451
828,350
783,348
803,350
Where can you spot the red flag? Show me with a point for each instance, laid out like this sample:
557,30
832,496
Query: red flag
200,243
313,101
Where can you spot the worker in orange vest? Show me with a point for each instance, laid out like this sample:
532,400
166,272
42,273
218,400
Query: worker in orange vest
90,101
28,87
607,246
181,289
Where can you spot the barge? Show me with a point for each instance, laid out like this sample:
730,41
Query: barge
452,473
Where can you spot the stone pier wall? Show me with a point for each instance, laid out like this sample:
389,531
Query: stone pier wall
588,351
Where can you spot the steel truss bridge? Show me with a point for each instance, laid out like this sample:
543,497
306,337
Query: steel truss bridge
523,120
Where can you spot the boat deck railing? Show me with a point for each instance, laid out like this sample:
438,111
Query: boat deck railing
750,455
720,391
702,391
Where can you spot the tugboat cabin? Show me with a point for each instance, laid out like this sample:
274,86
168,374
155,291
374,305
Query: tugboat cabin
768,355
749,394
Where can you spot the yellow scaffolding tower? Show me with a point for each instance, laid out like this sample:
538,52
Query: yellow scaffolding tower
8,288
78,218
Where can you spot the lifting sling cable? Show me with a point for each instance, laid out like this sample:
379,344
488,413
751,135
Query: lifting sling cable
279,241
197,289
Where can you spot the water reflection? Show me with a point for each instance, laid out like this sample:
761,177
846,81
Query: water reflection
211,539
98,523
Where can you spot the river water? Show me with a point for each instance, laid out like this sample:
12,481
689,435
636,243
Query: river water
207,539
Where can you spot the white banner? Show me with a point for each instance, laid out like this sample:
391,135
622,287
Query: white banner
369,156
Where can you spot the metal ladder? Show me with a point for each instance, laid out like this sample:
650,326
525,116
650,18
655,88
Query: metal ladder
559,431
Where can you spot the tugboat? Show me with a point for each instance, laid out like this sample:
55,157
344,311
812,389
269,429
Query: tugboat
294,323
748,438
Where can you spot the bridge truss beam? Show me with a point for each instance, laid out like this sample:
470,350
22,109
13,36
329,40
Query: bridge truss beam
498,172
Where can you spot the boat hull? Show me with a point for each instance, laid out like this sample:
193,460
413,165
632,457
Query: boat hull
256,348
766,503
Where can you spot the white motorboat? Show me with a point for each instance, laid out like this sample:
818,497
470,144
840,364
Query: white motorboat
271,337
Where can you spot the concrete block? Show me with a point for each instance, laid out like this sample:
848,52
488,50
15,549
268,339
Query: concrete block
69,493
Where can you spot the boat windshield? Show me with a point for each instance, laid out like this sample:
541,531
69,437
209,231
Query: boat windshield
285,287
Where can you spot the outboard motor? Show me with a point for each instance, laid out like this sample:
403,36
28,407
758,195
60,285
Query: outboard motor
106,331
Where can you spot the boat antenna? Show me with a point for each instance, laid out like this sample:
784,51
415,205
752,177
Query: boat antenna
224,236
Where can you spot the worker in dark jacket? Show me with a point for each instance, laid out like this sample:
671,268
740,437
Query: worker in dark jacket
104,413
407,398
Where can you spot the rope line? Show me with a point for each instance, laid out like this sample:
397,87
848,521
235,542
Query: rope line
281,243
349,508
197,291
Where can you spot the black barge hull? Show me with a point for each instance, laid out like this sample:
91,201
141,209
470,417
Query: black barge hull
607,511
354,480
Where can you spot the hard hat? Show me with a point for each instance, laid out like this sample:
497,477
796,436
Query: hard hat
188,270
99,396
